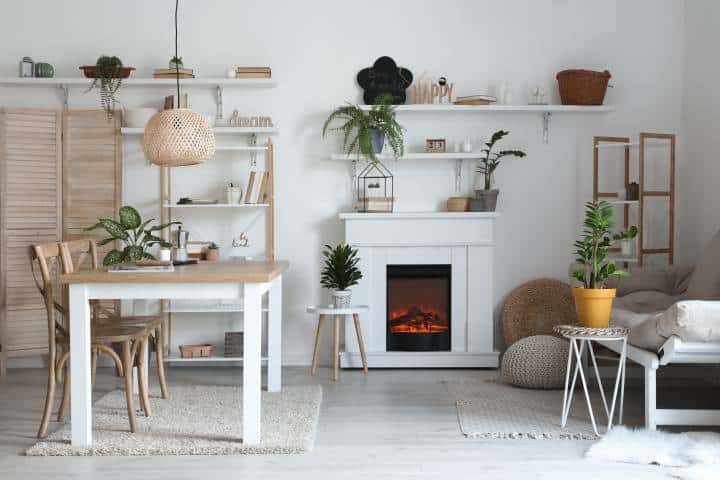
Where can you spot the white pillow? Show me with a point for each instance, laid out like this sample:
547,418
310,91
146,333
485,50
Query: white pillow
692,321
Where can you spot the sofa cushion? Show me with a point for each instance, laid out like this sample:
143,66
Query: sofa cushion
642,325
692,321
704,283
644,302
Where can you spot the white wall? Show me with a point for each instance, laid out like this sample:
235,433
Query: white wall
699,214
316,47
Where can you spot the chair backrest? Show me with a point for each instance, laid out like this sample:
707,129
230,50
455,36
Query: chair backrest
76,253
47,258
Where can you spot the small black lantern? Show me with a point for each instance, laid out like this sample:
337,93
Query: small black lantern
375,188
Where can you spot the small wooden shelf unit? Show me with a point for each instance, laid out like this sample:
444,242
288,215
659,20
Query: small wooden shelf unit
601,143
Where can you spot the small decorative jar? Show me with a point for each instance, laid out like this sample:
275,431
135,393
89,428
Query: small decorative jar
27,67
44,70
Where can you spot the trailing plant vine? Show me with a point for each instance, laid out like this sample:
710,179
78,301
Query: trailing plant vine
108,78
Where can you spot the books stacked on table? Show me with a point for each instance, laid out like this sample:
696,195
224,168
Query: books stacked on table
171,73
475,100
253,72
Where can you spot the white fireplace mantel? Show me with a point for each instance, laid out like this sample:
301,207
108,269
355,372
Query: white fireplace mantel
463,240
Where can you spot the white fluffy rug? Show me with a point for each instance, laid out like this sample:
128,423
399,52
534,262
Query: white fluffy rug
658,448
487,409
196,420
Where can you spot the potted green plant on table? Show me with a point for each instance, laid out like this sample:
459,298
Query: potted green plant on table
136,234
485,196
626,240
365,132
593,267
340,272
212,252
107,74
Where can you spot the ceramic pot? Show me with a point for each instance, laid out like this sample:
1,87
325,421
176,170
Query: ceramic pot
593,306
138,117
341,298
484,201
626,248
212,254
377,140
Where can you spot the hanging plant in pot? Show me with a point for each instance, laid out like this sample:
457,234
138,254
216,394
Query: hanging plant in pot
593,268
107,75
485,196
340,272
365,132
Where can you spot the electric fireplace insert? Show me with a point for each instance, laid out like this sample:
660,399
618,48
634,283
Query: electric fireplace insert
418,308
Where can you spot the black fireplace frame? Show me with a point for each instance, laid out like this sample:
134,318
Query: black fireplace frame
418,342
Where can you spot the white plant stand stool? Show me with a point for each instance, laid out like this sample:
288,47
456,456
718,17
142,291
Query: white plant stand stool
337,314
579,338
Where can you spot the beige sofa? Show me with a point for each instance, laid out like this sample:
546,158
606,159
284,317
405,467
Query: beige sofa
674,317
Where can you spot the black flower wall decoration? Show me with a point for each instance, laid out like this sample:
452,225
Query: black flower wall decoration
384,77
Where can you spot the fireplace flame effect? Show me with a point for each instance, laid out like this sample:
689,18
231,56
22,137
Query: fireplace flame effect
418,319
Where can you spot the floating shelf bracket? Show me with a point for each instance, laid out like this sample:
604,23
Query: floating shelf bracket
546,126
219,103
458,175
65,95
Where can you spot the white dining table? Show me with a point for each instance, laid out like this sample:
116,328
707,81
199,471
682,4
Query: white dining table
247,281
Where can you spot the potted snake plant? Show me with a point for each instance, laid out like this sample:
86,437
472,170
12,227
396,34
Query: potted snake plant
593,300
340,272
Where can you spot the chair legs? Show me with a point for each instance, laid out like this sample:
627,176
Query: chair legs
142,377
127,358
49,399
160,356
65,403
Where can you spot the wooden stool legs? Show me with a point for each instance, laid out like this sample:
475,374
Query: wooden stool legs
336,347
361,342
316,352
337,320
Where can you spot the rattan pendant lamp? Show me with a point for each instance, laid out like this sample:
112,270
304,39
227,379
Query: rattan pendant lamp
177,137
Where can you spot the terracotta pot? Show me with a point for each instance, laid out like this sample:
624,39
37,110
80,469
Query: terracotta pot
593,306
484,201
212,254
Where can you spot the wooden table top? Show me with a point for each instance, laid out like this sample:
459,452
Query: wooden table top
228,271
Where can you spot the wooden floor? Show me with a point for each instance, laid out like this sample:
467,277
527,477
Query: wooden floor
392,424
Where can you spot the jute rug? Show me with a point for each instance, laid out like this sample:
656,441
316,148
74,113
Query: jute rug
488,409
196,420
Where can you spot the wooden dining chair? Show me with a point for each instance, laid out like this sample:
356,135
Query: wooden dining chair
47,257
75,255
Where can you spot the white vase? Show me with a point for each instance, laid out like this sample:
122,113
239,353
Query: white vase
341,298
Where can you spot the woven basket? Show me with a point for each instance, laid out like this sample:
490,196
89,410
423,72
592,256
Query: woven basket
535,307
195,351
582,87
178,137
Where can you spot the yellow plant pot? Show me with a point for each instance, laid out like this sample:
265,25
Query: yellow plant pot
593,305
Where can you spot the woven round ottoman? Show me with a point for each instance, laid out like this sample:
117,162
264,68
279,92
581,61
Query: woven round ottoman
537,362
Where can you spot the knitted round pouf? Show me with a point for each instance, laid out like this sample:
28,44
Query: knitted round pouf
539,362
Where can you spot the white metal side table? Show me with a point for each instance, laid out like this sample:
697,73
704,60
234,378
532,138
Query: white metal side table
579,338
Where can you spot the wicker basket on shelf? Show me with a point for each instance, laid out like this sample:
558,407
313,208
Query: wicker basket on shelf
582,87
195,351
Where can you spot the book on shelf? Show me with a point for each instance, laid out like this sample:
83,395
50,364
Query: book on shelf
261,191
249,188
252,75
252,69
172,71
172,75
141,269
475,100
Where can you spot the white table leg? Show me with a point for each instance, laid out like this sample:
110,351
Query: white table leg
80,371
274,381
578,354
252,371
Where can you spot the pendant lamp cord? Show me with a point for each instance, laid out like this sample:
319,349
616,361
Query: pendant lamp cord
177,65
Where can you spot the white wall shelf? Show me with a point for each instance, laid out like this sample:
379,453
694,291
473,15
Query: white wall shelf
545,110
413,156
623,202
218,205
217,130
142,82
175,358
434,108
